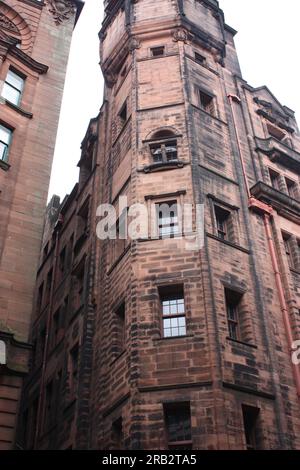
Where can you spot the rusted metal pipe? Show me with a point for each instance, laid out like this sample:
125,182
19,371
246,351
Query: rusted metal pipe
283,304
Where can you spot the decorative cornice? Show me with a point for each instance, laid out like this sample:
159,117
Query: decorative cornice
6,23
278,151
29,61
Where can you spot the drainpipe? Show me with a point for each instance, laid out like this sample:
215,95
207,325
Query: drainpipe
47,338
267,212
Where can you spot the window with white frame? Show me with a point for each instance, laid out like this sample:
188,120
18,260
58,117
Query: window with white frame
5,140
13,87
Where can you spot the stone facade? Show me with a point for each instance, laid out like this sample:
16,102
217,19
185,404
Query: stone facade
178,124
33,59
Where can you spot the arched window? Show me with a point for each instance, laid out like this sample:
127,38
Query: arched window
163,147
2,353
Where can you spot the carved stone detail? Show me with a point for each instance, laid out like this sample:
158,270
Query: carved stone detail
61,10
8,24
180,35
134,43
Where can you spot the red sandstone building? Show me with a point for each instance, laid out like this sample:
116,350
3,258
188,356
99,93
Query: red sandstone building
141,344
34,46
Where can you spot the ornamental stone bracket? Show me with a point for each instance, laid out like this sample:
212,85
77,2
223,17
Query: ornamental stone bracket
61,10
181,34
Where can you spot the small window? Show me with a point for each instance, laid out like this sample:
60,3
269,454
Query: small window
292,188
158,51
275,178
173,311
119,327
224,223
5,140
117,434
164,152
276,133
200,59
251,428
49,405
178,425
74,359
233,301
206,103
56,326
39,301
287,240
167,219
13,87
123,115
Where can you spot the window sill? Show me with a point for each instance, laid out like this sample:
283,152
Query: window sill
167,338
117,358
4,166
228,243
163,166
18,109
242,343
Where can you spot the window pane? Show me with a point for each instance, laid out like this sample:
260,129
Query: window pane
11,94
3,152
15,80
178,423
5,135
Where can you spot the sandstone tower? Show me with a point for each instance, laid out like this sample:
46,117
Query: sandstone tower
151,345
34,46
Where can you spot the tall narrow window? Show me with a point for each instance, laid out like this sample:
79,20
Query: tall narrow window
117,434
173,311
233,300
39,301
251,418
274,177
167,219
292,188
206,102
49,402
13,87
120,322
123,114
5,140
178,425
62,261
224,223
287,240
49,285
56,327
74,359
79,286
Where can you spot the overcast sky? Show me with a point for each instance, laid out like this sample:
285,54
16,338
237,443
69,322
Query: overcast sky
267,43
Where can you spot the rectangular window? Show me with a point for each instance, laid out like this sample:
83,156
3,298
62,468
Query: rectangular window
274,177
233,300
62,261
117,434
79,287
74,359
39,301
164,152
287,240
206,102
56,327
178,425
13,87
49,405
173,311
119,327
292,188
167,219
200,59
250,419
49,285
157,51
123,115
224,223
276,133
5,140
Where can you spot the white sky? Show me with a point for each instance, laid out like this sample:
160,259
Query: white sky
267,43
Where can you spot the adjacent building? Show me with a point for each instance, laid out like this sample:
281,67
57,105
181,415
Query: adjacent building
145,344
35,40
